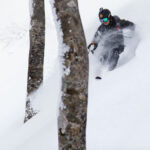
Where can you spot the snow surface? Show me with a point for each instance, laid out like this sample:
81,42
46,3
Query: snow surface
118,108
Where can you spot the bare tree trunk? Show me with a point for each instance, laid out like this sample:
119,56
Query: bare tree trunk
73,112
36,55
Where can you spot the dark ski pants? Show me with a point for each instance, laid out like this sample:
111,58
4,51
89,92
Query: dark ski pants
112,57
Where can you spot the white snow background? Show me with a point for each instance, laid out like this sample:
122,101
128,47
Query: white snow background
119,104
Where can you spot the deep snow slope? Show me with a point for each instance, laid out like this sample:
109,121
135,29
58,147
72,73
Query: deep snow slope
14,45
118,109
14,49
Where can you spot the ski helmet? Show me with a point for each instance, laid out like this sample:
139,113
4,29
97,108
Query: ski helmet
104,13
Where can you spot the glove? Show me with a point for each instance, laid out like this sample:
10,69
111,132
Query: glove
92,47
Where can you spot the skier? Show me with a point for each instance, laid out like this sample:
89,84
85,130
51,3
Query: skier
110,36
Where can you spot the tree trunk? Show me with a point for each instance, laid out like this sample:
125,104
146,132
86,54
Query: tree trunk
73,109
36,55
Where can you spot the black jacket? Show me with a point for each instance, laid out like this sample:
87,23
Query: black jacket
111,36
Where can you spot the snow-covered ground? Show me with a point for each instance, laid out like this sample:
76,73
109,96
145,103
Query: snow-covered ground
118,108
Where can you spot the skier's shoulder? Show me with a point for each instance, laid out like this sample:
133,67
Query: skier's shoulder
117,20
126,23
123,22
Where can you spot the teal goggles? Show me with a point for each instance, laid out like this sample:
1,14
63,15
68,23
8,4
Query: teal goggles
104,20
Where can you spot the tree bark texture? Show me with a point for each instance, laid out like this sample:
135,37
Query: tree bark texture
73,113
36,54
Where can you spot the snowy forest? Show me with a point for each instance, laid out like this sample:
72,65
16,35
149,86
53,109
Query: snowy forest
58,92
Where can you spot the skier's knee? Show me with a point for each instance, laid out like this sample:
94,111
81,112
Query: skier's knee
120,49
112,65
113,60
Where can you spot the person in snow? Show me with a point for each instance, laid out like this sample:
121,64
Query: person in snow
110,36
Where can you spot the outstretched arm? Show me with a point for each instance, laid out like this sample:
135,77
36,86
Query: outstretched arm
127,24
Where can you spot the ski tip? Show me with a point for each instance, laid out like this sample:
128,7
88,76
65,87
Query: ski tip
98,78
